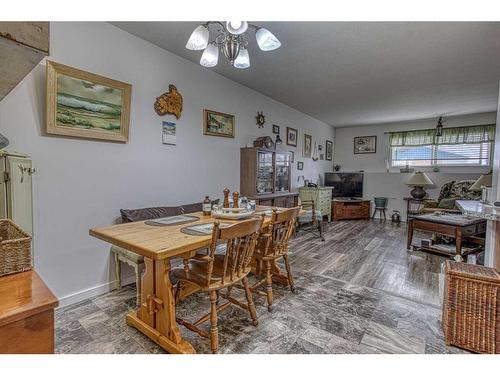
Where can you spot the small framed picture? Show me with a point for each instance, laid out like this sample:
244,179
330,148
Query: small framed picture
291,136
365,145
168,136
320,147
307,147
276,129
300,165
218,124
292,156
329,150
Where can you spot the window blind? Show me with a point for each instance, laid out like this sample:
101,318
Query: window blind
468,145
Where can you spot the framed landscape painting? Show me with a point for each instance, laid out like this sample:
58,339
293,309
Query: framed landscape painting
218,124
86,105
365,145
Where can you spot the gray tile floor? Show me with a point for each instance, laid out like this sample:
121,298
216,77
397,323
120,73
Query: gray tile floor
360,291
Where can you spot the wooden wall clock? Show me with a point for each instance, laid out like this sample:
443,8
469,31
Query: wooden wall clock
261,119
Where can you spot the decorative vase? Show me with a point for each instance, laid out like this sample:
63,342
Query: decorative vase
418,192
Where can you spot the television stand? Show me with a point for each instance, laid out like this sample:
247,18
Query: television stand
350,208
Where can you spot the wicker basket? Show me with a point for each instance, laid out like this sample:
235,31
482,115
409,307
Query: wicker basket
15,248
471,307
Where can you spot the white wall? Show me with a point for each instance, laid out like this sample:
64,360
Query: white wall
377,182
82,184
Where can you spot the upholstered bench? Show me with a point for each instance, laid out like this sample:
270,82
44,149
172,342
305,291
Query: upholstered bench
137,261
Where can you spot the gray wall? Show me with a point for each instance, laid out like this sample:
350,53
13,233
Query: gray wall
82,184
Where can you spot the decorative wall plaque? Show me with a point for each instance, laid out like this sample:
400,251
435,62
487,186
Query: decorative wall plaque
169,103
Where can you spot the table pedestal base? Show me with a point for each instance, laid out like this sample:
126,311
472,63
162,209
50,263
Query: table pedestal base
183,347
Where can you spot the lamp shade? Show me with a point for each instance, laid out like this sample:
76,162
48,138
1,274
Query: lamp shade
210,56
483,180
419,179
198,39
266,40
243,59
236,27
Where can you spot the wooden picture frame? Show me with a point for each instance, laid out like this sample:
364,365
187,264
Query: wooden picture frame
86,105
276,129
291,136
300,165
365,145
329,150
218,124
307,146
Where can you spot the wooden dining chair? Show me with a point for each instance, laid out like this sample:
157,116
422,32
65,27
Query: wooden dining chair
272,245
221,269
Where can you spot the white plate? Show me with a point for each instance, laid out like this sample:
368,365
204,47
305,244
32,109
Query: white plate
231,215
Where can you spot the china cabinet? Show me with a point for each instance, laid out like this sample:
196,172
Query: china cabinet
265,177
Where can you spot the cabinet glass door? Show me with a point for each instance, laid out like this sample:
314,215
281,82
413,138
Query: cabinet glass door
282,172
265,172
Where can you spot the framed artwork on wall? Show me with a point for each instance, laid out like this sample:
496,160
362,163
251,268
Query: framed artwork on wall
276,129
300,165
291,136
365,145
218,124
307,147
329,150
86,105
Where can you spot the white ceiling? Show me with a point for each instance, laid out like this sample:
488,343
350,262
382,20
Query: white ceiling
352,73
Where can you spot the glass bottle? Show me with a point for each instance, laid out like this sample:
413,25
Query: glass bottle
207,206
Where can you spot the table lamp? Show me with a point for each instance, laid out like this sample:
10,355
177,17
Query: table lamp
418,180
483,183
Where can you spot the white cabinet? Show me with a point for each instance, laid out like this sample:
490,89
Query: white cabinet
16,191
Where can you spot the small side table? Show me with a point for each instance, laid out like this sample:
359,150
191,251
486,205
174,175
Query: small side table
414,201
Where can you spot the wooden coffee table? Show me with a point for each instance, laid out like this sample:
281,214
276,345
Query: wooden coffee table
452,225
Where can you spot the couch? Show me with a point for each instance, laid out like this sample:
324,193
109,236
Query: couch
449,194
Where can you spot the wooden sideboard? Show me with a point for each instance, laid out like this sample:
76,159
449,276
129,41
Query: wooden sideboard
277,199
350,209
321,196
26,314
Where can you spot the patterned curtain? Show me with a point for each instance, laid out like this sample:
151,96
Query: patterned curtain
451,136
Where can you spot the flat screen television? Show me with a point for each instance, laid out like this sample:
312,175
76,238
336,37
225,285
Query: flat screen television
345,185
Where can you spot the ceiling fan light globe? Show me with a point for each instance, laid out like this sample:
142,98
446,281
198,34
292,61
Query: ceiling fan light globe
210,56
198,39
266,40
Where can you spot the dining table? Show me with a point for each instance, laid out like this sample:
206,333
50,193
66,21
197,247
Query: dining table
156,317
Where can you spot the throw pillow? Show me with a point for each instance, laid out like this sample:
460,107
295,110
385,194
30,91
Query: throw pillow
447,203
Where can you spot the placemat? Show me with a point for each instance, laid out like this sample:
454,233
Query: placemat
172,220
202,229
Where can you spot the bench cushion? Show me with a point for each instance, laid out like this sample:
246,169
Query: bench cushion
149,213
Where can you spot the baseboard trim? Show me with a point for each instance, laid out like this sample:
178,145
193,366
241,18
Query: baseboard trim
93,292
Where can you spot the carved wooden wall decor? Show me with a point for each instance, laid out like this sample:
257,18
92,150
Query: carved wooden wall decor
169,103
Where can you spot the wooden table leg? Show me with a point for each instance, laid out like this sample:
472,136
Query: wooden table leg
156,315
409,234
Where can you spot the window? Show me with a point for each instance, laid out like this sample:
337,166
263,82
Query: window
464,146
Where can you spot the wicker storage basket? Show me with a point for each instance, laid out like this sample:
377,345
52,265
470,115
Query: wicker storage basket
471,307
15,248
